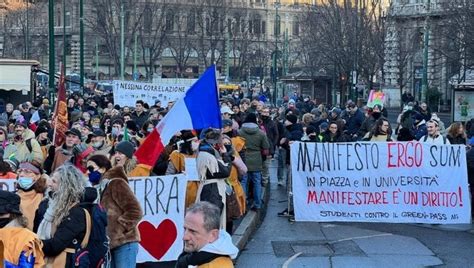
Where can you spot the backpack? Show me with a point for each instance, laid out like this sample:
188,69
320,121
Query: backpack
95,252
28,145
98,246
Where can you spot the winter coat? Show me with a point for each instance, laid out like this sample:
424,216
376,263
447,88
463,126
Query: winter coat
272,134
139,119
17,241
353,121
177,165
256,142
72,228
123,209
456,140
20,150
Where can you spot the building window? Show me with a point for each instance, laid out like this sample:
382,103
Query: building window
147,19
296,28
191,22
264,27
169,22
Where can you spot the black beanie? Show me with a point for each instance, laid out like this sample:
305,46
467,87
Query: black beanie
292,118
125,147
251,118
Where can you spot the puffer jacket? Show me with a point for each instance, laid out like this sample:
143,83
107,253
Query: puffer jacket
255,141
19,150
123,209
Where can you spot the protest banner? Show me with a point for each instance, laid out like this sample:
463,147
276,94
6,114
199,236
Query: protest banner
8,185
398,182
161,229
376,98
126,93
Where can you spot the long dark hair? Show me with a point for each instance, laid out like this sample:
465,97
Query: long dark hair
101,161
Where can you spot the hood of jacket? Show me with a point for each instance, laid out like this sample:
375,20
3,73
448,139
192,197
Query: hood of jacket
115,172
28,134
222,246
250,128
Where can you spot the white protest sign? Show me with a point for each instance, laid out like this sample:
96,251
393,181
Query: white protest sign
161,229
126,93
400,182
190,168
8,185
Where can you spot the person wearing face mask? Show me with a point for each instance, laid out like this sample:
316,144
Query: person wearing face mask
41,134
271,130
147,128
123,209
19,245
187,148
31,187
99,143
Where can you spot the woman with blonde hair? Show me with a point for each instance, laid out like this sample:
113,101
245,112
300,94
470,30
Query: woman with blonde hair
64,223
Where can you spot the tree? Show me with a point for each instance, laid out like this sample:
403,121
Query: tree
339,36
105,22
152,33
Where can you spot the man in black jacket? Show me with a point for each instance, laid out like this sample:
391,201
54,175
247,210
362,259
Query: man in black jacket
271,131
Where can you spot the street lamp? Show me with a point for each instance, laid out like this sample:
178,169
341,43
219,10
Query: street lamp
51,50
277,5
424,81
122,40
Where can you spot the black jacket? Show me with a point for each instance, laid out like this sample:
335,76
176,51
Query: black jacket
272,134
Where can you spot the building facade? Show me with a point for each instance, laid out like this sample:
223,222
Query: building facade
169,38
408,50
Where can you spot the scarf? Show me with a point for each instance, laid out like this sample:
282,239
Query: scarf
46,226
206,161
195,259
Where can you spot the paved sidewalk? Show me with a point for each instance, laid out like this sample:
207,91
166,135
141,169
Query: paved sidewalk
279,243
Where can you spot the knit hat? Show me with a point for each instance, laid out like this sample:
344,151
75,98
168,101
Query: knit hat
323,126
125,147
336,110
251,118
41,129
9,203
12,162
20,121
292,118
75,132
213,136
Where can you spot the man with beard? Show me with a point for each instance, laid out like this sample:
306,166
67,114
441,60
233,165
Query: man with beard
369,122
204,244
25,147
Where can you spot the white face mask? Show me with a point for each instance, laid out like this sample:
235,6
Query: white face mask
195,146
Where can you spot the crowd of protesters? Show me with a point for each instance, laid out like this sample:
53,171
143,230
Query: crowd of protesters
97,158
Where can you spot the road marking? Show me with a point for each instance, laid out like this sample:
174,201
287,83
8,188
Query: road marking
292,258
359,237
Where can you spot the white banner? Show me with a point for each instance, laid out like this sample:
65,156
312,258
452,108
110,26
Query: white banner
8,185
397,182
126,93
161,230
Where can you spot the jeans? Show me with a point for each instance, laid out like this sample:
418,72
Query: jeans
282,167
266,171
125,256
256,178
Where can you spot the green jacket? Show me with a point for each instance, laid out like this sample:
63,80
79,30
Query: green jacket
255,142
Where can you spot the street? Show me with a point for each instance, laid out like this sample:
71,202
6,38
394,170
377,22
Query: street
277,242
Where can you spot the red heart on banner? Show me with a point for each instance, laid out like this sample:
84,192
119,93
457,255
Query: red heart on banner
157,241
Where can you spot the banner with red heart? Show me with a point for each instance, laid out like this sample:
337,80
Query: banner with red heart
157,241
162,226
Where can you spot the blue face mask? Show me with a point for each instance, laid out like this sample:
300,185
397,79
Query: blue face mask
25,183
94,177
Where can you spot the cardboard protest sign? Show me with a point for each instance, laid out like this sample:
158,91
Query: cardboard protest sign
400,182
126,93
376,98
8,185
161,230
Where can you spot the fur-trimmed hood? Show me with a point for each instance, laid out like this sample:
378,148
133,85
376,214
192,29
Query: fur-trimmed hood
115,172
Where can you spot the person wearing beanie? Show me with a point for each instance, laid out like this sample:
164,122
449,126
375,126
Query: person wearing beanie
19,245
42,136
7,169
257,147
24,147
123,157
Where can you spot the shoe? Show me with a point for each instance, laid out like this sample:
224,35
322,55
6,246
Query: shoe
285,213
256,209
292,219
280,184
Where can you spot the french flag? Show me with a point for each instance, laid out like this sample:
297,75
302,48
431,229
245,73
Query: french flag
198,109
